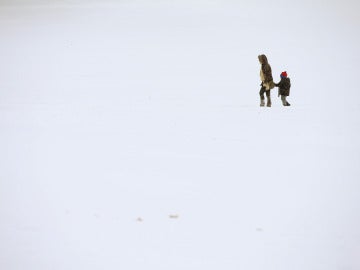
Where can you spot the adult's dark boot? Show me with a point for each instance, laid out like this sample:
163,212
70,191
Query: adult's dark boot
268,104
262,102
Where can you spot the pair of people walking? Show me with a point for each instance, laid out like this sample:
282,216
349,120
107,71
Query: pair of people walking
267,83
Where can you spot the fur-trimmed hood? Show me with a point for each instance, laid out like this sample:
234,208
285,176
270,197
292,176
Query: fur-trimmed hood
263,59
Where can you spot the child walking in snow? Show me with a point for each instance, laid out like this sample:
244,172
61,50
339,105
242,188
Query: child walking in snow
284,88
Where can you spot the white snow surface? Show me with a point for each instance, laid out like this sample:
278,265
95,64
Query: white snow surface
131,135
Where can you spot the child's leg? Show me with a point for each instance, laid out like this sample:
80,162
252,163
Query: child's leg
284,101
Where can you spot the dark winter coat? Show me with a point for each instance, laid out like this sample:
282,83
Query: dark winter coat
266,73
284,86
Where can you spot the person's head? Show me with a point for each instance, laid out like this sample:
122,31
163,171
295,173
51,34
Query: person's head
283,74
262,59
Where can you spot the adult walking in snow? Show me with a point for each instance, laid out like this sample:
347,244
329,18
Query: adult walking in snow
267,82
